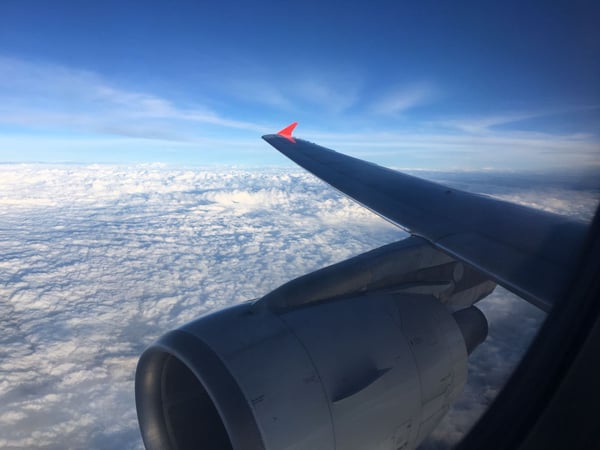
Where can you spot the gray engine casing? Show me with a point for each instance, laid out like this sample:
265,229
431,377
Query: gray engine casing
374,371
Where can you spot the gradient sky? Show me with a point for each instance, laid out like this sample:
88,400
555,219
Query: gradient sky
440,85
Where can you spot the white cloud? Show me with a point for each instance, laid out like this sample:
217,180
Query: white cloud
98,261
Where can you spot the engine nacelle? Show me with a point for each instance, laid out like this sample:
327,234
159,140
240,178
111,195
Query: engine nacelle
373,371
367,353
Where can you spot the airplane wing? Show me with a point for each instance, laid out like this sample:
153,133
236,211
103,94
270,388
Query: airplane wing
530,252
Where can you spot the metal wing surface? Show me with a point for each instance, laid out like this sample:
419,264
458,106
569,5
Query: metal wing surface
530,252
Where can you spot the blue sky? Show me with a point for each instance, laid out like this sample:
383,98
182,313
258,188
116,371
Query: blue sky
467,85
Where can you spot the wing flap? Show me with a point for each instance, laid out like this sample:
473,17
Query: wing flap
528,251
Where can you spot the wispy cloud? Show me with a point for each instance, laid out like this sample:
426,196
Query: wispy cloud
489,123
400,99
435,148
331,95
259,91
45,102
41,94
321,91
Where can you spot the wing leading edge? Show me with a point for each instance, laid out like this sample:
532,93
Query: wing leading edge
530,252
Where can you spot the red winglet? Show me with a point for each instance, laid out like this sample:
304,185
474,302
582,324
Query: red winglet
287,132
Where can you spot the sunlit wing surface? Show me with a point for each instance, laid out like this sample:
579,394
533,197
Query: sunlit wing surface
530,252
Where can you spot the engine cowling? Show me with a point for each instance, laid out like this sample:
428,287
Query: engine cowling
367,353
371,371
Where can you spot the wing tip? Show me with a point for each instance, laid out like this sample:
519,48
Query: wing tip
287,132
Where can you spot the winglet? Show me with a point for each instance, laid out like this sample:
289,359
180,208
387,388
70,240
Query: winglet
287,132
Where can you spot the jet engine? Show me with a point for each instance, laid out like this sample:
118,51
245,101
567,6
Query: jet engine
368,353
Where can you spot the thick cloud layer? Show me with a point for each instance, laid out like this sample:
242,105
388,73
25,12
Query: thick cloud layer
97,261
